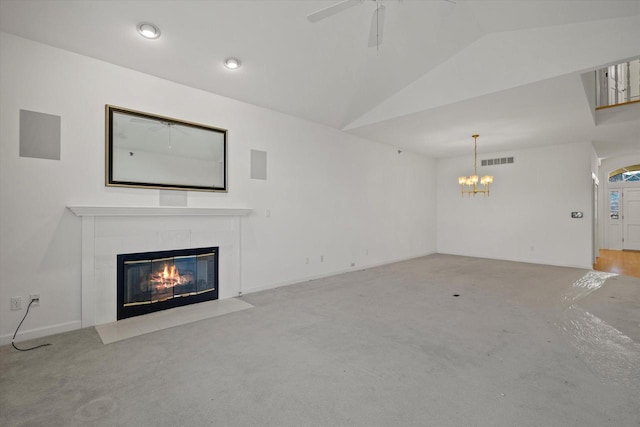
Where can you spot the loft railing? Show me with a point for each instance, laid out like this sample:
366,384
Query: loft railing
618,84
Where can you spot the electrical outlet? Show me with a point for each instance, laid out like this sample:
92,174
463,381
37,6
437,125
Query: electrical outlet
36,300
321,258
16,303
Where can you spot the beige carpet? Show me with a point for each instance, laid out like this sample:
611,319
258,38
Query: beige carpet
435,341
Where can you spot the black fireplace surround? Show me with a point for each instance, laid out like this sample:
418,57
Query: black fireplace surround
154,281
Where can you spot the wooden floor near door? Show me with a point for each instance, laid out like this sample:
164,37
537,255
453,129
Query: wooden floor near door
620,262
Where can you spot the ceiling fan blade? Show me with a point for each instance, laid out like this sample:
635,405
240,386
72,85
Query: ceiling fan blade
377,27
332,10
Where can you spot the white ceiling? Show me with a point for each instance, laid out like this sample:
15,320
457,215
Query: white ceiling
508,70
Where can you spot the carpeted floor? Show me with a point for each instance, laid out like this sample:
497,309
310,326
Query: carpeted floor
436,341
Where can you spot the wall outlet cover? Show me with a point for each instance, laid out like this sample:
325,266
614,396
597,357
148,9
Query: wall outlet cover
36,300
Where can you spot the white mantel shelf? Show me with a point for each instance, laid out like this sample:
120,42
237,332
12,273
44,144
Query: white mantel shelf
83,211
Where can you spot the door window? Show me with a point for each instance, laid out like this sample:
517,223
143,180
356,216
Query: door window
614,204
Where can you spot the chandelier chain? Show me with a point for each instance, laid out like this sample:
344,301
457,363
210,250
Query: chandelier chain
475,155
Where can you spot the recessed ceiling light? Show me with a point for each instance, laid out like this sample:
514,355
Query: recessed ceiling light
148,30
232,63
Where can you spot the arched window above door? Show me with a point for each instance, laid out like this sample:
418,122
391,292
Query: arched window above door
625,174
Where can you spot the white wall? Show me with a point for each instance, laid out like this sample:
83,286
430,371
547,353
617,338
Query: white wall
527,217
328,193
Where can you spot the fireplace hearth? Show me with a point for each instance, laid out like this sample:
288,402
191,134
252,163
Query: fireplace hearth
154,281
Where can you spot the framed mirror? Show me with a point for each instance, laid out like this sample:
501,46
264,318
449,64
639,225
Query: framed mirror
148,151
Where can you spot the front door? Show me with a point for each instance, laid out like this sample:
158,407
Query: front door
631,218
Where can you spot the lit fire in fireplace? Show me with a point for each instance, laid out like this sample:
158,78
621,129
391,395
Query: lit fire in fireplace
153,281
170,277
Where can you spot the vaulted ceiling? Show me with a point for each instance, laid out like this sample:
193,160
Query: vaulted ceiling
508,70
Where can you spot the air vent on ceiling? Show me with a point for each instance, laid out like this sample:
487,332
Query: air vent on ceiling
493,162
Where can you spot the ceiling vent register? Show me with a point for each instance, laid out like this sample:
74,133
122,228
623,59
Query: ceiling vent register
494,162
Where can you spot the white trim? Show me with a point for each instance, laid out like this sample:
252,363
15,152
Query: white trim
40,332
525,261
333,273
87,293
83,211
91,313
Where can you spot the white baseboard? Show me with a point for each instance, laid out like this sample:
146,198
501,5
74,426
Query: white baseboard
523,260
329,274
30,334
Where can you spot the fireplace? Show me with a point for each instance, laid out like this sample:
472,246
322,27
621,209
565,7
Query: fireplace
154,281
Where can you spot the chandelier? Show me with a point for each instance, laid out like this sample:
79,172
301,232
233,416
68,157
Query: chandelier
470,184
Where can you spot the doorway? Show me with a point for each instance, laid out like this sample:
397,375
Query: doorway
631,219
621,216
620,220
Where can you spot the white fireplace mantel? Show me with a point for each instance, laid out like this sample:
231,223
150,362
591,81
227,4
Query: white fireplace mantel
110,230
83,211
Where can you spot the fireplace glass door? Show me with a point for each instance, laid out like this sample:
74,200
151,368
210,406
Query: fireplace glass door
153,281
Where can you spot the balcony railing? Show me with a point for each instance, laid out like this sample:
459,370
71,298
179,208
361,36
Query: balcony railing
618,84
